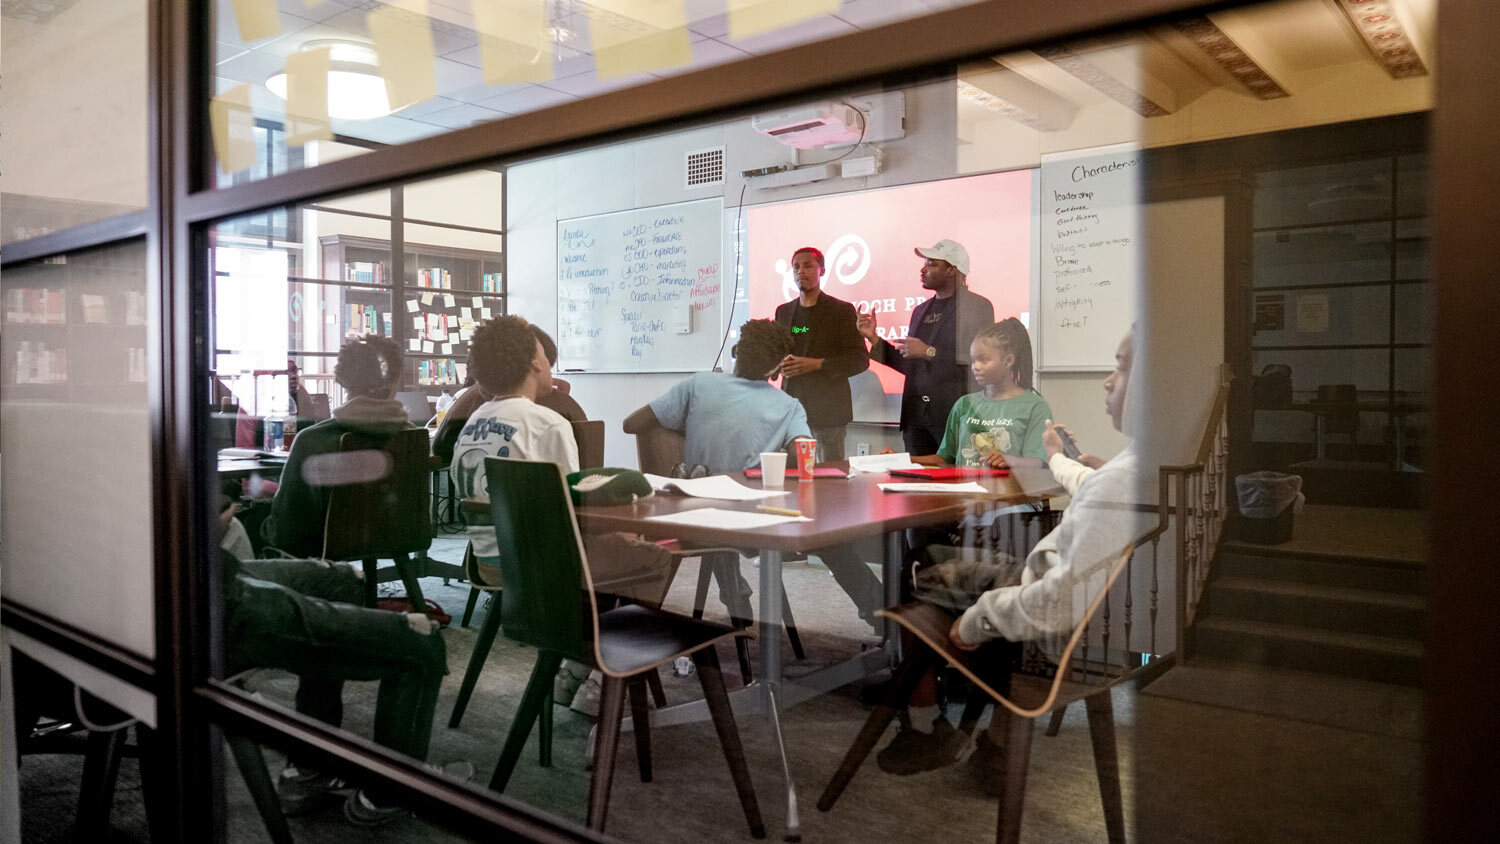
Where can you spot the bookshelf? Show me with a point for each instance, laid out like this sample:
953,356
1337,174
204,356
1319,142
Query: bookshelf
443,293
75,330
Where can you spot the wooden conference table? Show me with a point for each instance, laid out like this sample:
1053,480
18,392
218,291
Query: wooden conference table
841,511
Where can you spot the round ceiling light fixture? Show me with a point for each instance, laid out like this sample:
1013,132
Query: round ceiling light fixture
356,91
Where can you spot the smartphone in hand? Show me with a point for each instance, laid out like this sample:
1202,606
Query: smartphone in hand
1070,448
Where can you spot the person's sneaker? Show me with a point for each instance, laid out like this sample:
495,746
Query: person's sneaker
303,790
987,765
362,811
586,700
913,751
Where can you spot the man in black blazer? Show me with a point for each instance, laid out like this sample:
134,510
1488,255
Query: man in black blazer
934,355
826,352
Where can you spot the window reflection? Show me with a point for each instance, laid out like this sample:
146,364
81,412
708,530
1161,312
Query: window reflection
1140,215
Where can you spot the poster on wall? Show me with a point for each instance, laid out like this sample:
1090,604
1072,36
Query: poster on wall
1090,256
867,240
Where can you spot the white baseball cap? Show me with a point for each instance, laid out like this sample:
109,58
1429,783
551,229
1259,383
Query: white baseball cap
947,250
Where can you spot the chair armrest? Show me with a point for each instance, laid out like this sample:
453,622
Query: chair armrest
479,506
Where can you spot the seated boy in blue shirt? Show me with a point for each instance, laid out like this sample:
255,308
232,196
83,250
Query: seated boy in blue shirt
730,419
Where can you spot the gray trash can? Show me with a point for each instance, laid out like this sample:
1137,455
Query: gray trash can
1268,505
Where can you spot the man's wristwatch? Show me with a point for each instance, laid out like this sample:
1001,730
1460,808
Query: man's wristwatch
931,352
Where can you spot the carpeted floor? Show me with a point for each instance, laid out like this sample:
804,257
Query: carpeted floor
1208,754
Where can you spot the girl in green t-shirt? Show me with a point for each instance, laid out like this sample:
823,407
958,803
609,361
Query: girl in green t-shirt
1002,424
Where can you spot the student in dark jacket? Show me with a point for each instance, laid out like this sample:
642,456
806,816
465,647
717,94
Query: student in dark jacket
934,355
369,370
827,351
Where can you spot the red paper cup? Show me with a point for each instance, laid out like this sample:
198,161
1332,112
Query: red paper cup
807,454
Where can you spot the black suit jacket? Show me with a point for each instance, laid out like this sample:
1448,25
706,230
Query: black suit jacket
828,331
932,386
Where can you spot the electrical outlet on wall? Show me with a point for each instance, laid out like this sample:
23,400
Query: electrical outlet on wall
862,450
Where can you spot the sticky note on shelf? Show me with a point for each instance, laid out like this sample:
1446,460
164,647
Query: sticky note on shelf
414,345
447,300
418,323
447,348
403,41
465,313
755,17
453,337
427,298
621,50
411,305
427,346
513,42
484,313
257,19
478,301
233,129
463,370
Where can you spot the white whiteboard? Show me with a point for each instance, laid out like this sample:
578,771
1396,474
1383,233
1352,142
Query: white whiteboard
640,290
1090,257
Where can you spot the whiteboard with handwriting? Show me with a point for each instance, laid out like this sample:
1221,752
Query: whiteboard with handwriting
1090,257
640,290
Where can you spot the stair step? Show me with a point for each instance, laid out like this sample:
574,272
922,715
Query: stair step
1380,658
1402,576
1339,608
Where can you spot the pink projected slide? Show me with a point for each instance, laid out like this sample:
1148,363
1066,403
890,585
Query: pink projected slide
867,240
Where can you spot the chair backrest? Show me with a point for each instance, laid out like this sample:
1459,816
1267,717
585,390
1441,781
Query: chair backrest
1062,681
378,496
658,449
1344,419
589,434
548,598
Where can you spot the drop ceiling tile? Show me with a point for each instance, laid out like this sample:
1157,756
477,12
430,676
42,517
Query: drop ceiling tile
291,42
455,76
253,66
530,98
388,130
816,29
320,12
461,117
446,37
589,85
713,26
428,107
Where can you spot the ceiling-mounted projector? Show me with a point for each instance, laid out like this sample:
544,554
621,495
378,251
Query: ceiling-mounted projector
809,127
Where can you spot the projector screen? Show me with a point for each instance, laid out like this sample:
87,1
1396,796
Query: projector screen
867,240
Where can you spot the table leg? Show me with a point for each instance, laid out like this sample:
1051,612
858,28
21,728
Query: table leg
771,677
894,548
1320,435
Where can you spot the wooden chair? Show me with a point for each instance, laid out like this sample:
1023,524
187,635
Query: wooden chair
549,603
657,450
377,507
1087,669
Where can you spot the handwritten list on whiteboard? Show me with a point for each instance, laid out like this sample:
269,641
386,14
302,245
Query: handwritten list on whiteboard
640,290
1090,258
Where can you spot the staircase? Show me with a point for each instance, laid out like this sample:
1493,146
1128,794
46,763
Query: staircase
1328,613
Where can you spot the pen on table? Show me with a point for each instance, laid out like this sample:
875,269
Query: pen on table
779,511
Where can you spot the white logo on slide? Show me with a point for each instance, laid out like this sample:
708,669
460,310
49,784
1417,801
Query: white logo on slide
847,260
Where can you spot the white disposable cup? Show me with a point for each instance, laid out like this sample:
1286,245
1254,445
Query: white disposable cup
773,469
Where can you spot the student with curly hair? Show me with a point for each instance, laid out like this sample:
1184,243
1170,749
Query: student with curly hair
369,370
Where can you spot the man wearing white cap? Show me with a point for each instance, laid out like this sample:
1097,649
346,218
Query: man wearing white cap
934,356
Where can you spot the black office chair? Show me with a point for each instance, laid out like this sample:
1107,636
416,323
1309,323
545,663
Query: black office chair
377,508
549,603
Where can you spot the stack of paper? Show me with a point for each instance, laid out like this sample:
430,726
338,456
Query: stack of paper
882,462
714,486
925,487
727,519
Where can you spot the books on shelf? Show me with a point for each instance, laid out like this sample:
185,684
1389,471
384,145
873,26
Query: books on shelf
365,272
360,320
41,363
490,283
35,306
435,277
439,371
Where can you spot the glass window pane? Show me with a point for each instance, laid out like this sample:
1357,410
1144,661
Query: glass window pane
74,403
457,65
1101,188
75,131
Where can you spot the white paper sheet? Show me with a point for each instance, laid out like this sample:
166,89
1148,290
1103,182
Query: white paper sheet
721,487
940,488
882,462
727,519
